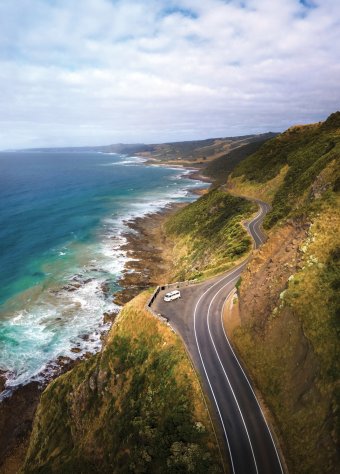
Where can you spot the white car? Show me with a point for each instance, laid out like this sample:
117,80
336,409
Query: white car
173,295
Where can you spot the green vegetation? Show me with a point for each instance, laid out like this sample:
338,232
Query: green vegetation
306,150
199,151
220,168
189,150
208,234
295,359
135,407
289,338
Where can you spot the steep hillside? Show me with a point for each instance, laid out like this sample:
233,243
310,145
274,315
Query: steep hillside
135,407
297,156
208,236
289,295
220,168
199,152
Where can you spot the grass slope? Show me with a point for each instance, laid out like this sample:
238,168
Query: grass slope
290,340
135,407
220,168
303,152
199,152
208,234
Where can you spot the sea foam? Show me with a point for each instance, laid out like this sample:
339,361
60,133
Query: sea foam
63,315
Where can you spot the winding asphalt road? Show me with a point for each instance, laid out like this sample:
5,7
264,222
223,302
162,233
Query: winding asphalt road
197,317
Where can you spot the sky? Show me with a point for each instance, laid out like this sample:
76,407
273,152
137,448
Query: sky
95,72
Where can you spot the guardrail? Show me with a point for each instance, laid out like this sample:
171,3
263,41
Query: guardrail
167,286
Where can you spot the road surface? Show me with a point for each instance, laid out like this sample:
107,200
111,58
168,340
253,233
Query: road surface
197,317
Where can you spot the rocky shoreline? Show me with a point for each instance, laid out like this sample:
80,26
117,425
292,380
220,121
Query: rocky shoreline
148,265
149,249
149,252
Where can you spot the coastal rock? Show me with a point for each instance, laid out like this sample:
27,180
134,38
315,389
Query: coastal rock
147,247
110,316
16,416
105,287
73,287
2,380
75,350
64,361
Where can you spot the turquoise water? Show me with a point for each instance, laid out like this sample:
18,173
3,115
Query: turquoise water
62,220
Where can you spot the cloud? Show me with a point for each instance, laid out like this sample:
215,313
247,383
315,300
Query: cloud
99,71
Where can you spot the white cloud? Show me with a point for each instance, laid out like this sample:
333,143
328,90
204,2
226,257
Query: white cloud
76,72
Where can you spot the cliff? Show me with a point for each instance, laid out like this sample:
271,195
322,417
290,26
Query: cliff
289,301
135,407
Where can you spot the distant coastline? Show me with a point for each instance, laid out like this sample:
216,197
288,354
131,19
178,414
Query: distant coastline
134,226
144,266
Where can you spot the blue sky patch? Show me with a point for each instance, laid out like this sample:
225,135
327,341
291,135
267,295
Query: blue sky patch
181,11
308,4
157,71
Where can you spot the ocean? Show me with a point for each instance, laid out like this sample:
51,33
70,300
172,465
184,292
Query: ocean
62,223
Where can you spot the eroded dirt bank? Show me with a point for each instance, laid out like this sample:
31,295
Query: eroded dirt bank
268,272
279,339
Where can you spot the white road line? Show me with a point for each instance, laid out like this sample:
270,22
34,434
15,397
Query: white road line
251,388
225,374
200,354
254,222
257,235
264,208
207,377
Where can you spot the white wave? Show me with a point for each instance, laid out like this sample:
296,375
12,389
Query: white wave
131,160
72,316
51,327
